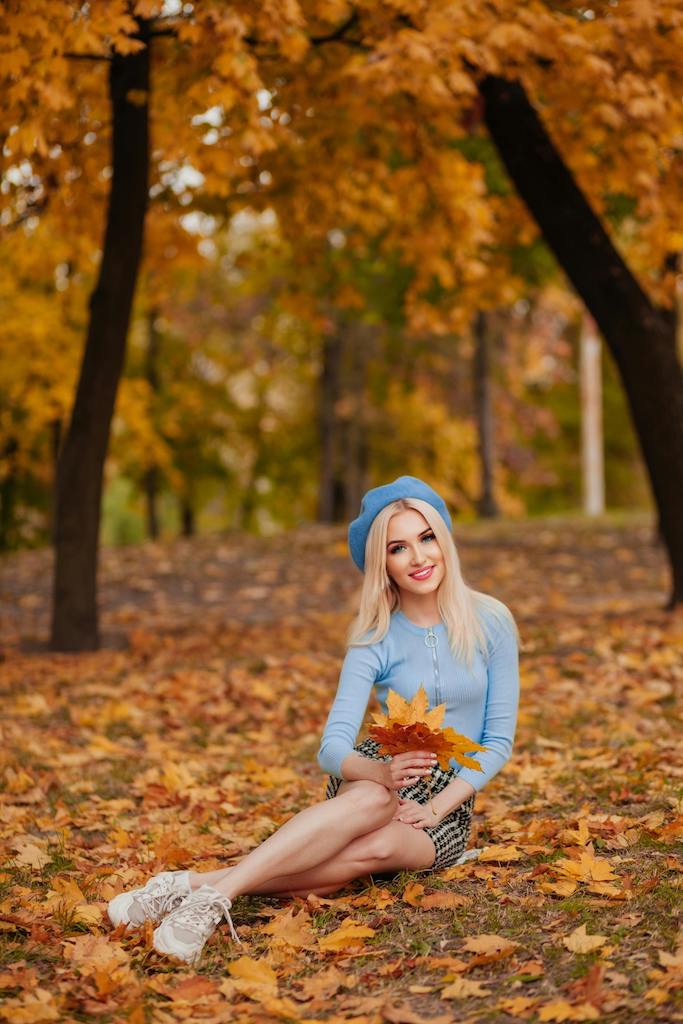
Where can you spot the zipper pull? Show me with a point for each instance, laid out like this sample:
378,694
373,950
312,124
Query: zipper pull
431,639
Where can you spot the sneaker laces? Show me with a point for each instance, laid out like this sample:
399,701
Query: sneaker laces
204,908
159,896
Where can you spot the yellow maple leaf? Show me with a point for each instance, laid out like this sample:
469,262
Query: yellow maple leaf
488,943
403,712
349,933
579,941
561,1010
518,1006
462,988
255,978
92,953
291,930
500,853
413,894
588,868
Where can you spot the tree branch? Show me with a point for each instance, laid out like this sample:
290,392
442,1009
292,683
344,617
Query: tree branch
87,56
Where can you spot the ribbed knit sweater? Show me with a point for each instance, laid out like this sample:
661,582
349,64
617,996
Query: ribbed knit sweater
481,703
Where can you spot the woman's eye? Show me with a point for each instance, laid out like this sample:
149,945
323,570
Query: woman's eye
427,536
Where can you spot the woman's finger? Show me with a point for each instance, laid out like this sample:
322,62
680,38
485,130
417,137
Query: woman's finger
415,758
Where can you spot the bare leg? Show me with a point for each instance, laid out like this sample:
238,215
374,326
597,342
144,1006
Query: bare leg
311,837
391,847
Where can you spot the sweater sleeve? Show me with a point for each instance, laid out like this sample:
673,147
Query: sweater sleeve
500,715
360,668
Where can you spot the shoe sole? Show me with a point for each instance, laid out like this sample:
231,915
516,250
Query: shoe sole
159,947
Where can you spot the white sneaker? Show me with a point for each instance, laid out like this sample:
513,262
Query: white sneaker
185,930
160,895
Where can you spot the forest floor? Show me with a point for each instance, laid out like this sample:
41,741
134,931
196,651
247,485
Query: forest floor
192,734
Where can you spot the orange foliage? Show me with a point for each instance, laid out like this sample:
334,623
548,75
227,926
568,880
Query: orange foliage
410,726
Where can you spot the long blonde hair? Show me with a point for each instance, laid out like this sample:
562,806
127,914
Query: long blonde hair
460,606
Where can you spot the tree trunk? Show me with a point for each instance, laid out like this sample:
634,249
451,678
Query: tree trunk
592,444
8,492
81,461
328,425
486,505
640,335
150,485
151,477
188,527
356,454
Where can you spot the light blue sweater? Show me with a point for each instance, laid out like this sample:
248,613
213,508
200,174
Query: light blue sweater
481,703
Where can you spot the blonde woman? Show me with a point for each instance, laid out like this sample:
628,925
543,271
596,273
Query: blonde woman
418,624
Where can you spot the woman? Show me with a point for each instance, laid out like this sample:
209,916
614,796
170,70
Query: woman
418,623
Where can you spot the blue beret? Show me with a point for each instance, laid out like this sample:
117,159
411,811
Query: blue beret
378,498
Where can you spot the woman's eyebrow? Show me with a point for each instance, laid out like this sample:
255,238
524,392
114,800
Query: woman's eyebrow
401,541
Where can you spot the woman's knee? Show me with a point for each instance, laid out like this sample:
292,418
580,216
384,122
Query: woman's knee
390,848
370,797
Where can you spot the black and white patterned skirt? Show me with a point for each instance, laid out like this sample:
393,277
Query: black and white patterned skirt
451,834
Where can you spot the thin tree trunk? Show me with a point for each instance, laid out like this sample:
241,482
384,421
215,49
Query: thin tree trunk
8,491
356,455
640,335
486,505
328,425
592,447
81,462
150,486
187,519
151,477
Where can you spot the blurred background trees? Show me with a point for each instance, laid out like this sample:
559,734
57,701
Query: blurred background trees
339,282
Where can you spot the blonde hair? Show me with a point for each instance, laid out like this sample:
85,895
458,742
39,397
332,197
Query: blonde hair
460,606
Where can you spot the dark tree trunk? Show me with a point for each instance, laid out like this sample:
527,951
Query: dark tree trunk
486,504
81,462
150,485
8,492
328,426
151,477
356,453
187,517
640,335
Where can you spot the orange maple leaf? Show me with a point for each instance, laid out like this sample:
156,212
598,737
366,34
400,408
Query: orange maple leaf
411,725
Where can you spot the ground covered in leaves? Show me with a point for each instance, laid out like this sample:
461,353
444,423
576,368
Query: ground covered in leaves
192,735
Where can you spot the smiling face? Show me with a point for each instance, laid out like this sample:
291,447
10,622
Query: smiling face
412,548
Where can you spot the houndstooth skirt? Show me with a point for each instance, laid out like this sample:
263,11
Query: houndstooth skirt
451,834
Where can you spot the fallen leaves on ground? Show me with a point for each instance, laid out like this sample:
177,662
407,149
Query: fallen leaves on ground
194,743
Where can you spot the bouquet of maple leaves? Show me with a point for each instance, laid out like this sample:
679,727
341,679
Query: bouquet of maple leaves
412,725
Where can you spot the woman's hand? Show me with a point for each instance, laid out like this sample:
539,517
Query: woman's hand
418,815
406,769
